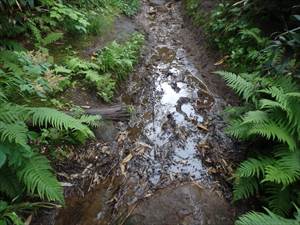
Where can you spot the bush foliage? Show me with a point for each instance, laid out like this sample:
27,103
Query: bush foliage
30,81
263,61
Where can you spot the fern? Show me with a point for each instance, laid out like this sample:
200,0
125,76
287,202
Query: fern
287,102
253,167
91,120
9,185
256,117
35,31
14,133
244,187
10,113
243,87
257,218
279,200
2,96
285,170
237,129
274,131
43,117
36,174
51,38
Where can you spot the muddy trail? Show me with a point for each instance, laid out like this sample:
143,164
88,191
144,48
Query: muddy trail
170,162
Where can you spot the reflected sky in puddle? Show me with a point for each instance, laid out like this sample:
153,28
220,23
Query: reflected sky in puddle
170,96
172,130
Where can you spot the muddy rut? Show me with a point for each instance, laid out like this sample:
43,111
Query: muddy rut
172,155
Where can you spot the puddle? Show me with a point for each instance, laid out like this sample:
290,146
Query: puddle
159,146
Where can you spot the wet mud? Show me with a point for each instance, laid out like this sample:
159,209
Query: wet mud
172,158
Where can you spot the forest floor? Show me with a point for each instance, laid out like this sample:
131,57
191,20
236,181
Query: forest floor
170,163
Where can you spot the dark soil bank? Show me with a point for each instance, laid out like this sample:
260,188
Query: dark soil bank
170,163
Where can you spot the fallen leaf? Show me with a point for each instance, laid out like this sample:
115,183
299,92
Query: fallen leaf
212,170
124,162
202,127
221,61
127,158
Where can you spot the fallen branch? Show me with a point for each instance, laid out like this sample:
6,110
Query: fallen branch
118,112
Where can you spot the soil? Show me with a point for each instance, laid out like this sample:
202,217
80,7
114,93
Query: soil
169,164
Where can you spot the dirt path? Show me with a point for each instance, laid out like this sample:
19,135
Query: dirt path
173,156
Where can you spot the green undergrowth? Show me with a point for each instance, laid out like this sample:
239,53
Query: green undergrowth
32,117
264,71
110,66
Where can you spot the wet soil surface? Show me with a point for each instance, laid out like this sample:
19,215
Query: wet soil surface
170,164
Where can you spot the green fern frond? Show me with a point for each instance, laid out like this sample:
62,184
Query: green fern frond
51,38
253,167
277,93
10,113
9,185
36,174
294,94
270,104
286,169
273,131
35,31
290,107
234,112
289,160
243,87
238,129
257,218
90,120
3,97
244,187
275,173
14,133
255,117
279,200
43,117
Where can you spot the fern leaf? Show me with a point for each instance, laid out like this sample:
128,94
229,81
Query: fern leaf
238,129
272,131
9,185
244,187
12,113
255,117
35,31
14,133
47,116
236,111
253,167
286,169
2,96
243,87
51,38
279,199
278,175
294,94
257,218
38,178
90,120
270,104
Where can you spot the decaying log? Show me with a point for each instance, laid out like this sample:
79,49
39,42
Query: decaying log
118,112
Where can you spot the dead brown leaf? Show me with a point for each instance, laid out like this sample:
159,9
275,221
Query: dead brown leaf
202,127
